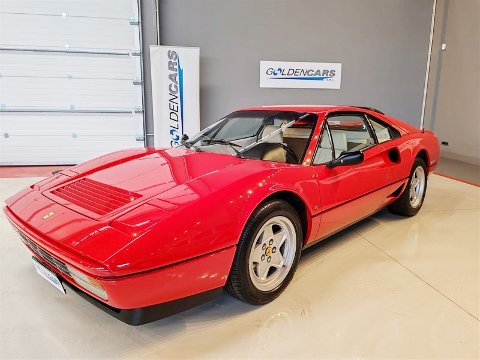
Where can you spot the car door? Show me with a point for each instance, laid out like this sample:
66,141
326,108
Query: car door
351,192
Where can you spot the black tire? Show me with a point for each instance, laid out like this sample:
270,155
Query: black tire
239,283
403,205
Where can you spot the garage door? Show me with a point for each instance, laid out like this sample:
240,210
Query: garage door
70,80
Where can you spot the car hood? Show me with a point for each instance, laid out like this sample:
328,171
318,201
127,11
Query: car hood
97,214
109,191
161,170
95,211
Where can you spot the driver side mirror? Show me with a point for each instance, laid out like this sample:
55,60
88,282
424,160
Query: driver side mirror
348,158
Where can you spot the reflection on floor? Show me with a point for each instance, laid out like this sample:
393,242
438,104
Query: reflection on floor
388,287
459,170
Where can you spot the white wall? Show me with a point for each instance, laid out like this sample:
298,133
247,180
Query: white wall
456,89
70,80
383,45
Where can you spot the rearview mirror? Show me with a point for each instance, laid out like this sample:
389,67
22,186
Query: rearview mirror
348,158
184,139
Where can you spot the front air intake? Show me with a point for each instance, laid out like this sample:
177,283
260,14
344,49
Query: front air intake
94,196
43,254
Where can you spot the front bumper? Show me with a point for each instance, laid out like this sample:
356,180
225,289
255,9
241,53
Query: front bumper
144,315
144,297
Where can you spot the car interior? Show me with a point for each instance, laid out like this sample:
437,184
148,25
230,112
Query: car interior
278,137
350,133
286,145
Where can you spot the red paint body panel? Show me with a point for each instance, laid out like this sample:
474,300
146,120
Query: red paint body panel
181,227
160,285
172,282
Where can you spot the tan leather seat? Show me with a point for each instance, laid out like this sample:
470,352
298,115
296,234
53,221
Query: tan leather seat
273,153
324,151
339,142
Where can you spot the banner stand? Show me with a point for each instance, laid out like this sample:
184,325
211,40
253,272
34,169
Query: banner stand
175,74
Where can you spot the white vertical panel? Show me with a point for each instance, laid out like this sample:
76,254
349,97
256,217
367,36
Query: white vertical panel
175,75
69,63
58,138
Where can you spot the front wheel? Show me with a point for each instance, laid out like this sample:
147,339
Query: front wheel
411,200
267,253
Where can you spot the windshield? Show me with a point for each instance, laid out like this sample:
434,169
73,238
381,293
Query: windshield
280,136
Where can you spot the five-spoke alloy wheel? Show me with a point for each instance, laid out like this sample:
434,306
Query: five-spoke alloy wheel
272,253
267,254
411,200
417,186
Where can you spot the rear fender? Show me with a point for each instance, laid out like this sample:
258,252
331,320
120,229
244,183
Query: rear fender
430,149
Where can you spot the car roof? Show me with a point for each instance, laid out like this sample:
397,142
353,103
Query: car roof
402,126
312,108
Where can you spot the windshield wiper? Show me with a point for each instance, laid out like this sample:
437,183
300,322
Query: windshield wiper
188,145
224,142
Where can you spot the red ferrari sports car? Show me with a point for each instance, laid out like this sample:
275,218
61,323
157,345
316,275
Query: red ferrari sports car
144,233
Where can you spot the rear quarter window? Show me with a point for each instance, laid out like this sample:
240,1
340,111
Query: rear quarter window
383,131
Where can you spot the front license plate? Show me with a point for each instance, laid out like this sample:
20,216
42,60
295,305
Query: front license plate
48,275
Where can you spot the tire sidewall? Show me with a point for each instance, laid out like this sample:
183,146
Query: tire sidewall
265,212
417,163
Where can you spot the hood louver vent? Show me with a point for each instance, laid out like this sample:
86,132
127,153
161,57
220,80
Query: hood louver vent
94,196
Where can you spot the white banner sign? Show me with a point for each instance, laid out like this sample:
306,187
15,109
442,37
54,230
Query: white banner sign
298,75
175,92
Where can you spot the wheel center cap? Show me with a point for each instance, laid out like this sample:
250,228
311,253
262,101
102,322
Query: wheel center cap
268,251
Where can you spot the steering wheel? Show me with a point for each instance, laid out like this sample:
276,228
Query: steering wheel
290,152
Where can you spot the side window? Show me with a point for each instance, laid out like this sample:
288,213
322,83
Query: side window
324,149
349,133
383,131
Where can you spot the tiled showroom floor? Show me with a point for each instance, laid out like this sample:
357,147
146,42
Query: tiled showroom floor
389,287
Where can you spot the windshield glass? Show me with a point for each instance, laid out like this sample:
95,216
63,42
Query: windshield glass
280,136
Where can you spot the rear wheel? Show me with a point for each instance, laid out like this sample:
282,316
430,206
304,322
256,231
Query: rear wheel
267,253
411,200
